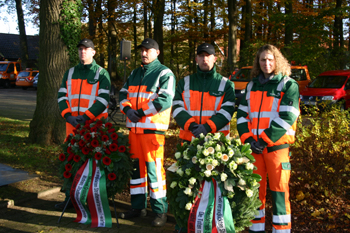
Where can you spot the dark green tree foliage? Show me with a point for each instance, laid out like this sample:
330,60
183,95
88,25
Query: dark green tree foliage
70,23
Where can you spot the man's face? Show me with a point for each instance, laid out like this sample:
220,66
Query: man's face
148,55
205,61
267,62
86,54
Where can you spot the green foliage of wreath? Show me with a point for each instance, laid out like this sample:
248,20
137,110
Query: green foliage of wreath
98,140
70,24
227,161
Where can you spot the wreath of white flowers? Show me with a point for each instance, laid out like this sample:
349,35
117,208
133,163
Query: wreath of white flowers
227,161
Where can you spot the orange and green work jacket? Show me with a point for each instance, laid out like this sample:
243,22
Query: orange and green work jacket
149,90
268,112
204,98
85,91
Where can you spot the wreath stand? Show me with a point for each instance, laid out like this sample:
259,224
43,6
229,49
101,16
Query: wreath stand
64,209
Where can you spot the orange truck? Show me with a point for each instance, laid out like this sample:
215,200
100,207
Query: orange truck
8,73
242,77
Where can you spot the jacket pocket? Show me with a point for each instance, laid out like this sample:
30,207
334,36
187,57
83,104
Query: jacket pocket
285,173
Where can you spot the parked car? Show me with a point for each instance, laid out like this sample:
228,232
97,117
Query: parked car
25,78
8,73
35,81
332,86
242,77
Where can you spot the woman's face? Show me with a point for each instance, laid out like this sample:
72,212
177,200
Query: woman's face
267,62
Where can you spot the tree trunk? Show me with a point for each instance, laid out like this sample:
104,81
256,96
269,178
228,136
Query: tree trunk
101,49
158,12
135,35
205,19
92,19
232,39
145,22
288,39
338,28
22,34
48,126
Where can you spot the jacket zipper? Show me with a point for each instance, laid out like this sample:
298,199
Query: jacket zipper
138,92
262,97
200,117
81,84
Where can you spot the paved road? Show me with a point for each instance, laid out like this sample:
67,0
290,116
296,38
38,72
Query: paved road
17,103
20,104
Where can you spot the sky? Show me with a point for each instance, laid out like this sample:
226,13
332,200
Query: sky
8,24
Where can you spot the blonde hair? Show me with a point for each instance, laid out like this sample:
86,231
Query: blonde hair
282,65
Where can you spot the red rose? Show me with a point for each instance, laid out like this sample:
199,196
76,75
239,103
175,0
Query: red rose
67,174
99,123
98,155
70,157
62,157
76,158
69,150
87,136
85,150
77,126
122,149
82,132
114,136
106,160
108,125
81,143
93,129
68,167
105,138
113,147
108,152
111,130
112,176
95,143
75,131
72,141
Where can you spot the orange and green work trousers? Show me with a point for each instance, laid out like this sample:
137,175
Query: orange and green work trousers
148,153
277,167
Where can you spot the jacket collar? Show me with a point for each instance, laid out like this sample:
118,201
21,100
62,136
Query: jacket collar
208,74
151,65
278,77
88,66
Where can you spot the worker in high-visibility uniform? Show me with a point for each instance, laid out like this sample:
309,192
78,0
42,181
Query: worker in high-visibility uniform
267,118
84,93
204,101
146,100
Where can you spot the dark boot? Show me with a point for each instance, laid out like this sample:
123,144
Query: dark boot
134,213
60,206
160,220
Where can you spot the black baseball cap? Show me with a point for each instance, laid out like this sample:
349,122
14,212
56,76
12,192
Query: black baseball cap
87,43
206,47
149,44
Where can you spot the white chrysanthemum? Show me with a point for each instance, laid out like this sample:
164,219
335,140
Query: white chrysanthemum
98,149
180,172
178,155
249,166
224,157
249,192
208,160
255,183
199,147
217,147
202,161
218,155
230,152
215,163
230,194
209,167
192,181
188,206
205,152
207,138
173,167
194,160
228,186
217,136
233,166
207,173
186,156
201,135
188,171
211,150
239,160
223,176
188,191
241,182
173,184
